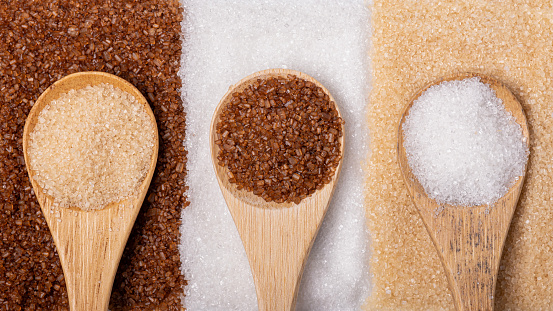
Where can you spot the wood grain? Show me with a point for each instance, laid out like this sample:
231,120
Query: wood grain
277,237
469,240
89,243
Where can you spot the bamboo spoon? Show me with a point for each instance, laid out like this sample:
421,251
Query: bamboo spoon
277,237
89,244
469,240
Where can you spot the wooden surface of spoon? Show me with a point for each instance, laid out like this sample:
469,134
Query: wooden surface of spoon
89,243
277,237
469,240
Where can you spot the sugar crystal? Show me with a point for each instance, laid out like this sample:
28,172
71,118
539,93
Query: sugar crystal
87,153
480,36
226,41
462,144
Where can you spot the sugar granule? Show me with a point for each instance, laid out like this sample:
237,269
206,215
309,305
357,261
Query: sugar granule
226,41
463,146
91,147
280,138
420,41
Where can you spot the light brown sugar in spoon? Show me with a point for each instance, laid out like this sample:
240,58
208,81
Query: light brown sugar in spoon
90,145
466,214
279,191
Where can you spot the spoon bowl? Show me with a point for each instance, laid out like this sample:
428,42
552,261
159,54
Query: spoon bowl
469,240
277,237
89,243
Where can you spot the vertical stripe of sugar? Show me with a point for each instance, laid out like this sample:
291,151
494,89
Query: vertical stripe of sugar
224,42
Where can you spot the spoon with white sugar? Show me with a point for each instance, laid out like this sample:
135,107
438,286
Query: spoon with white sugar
469,239
277,237
80,158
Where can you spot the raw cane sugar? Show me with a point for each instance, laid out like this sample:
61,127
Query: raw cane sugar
421,41
91,147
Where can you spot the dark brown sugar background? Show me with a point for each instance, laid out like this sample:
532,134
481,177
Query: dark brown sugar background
40,42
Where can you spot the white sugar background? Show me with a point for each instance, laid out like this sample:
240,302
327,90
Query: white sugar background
224,41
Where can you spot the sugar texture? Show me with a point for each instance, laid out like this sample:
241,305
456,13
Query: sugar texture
463,146
417,42
224,42
91,147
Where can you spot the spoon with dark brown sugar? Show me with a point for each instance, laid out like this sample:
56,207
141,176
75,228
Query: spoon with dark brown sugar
277,237
469,239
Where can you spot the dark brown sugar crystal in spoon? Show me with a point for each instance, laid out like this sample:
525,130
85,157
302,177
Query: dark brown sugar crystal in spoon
279,138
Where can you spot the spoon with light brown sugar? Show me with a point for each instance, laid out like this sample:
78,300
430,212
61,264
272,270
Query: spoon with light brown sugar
469,239
277,237
89,243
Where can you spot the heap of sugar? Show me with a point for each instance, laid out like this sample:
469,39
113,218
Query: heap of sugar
462,145
418,41
224,41
91,147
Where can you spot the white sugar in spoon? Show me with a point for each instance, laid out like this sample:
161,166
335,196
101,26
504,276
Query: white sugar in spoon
469,240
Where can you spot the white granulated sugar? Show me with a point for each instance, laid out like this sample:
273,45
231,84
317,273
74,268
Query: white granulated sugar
462,145
224,41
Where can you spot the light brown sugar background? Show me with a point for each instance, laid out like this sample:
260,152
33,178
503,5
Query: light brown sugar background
417,42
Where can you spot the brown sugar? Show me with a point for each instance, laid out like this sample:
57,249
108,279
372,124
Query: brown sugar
279,138
413,44
91,147
43,41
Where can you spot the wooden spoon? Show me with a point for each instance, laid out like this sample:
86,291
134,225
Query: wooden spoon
469,240
277,237
89,244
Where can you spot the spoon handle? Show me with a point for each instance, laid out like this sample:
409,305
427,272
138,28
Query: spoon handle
469,244
277,242
89,247
470,256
